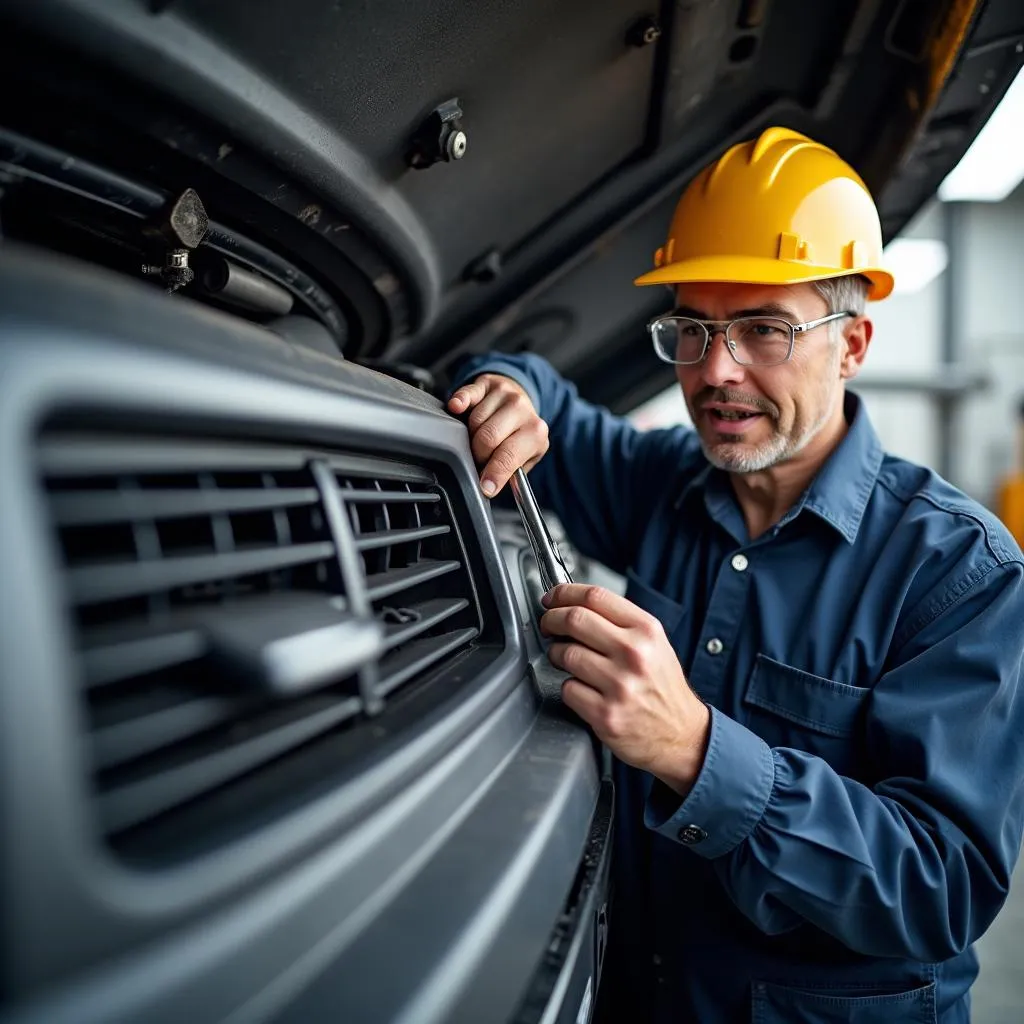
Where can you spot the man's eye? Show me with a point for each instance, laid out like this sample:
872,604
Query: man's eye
764,331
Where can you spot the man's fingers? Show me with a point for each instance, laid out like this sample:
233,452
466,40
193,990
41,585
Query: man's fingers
584,700
605,603
527,443
490,423
468,395
505,431
586,665
584,626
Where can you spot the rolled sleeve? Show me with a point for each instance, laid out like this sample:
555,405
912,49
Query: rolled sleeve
728,798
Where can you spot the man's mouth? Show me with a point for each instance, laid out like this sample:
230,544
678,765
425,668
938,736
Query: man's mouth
733,415
731,419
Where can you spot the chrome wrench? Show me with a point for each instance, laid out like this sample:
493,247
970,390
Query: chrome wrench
552,568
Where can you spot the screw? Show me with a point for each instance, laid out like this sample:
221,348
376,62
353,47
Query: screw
456,145
644,32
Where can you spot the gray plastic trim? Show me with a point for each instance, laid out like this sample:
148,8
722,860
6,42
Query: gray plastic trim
68,906
363,931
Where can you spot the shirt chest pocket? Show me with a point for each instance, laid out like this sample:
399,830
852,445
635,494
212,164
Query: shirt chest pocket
789,707
643,595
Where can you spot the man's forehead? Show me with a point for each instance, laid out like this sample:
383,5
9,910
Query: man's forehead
722,299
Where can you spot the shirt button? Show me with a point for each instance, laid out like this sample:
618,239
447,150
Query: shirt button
714,646
690,834
740,563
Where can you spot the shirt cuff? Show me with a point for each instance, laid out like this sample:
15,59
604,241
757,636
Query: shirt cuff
727,800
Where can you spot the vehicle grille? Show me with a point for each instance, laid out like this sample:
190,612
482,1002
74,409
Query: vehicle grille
161,538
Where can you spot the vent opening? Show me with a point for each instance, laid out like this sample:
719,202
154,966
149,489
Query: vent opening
229,634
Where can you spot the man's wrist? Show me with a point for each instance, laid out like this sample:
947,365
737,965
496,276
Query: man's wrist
681,772
728,798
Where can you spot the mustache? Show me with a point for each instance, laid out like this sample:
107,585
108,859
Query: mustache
727,395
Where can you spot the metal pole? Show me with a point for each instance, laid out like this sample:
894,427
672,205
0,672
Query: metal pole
947,405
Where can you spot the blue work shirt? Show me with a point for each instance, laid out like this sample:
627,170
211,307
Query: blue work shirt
859,812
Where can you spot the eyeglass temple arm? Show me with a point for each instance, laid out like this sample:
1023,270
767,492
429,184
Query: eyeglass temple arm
811,324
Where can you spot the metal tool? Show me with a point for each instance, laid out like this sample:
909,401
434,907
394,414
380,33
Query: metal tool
552,568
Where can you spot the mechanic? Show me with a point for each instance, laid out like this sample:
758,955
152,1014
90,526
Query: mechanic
812,687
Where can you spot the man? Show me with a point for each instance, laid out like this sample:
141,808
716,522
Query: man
812,687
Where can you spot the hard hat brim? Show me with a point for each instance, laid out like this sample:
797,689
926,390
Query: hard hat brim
758,270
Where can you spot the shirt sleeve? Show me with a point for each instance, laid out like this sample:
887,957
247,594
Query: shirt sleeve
601,475
916,865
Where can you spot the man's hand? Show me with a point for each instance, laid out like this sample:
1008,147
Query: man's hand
504,429
627,683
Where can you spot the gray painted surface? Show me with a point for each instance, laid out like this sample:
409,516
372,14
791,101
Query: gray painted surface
999,990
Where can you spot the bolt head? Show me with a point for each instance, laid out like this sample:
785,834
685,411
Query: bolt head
456,145
644,32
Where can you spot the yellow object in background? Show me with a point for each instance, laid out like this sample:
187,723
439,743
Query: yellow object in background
1010,497
1011,506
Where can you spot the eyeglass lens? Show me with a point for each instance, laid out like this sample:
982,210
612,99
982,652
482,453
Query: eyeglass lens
758,341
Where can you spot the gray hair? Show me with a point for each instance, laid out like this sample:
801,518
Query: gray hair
849,292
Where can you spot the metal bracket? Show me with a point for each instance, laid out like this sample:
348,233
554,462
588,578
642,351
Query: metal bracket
439,137
181,227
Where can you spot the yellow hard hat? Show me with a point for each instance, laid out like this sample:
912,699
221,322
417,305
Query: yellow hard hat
780,209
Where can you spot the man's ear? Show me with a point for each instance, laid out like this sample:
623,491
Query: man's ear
855,345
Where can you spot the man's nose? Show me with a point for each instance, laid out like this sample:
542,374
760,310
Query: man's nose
719,368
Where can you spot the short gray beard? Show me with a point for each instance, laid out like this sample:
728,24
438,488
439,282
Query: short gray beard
777,449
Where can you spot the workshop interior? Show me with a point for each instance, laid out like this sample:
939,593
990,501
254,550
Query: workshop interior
279,739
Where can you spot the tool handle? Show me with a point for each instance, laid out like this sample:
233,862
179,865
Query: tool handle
552,568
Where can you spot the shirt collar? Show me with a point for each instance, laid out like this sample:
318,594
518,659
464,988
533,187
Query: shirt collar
839,493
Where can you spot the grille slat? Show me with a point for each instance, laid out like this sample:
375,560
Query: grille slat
185,560
77,456
92,583
112,507
385,538
136,656
149,731
128,805
384,584
390,497
425,617
418,656
373,470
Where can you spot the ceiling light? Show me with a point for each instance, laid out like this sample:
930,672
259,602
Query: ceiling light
994,165
915,262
